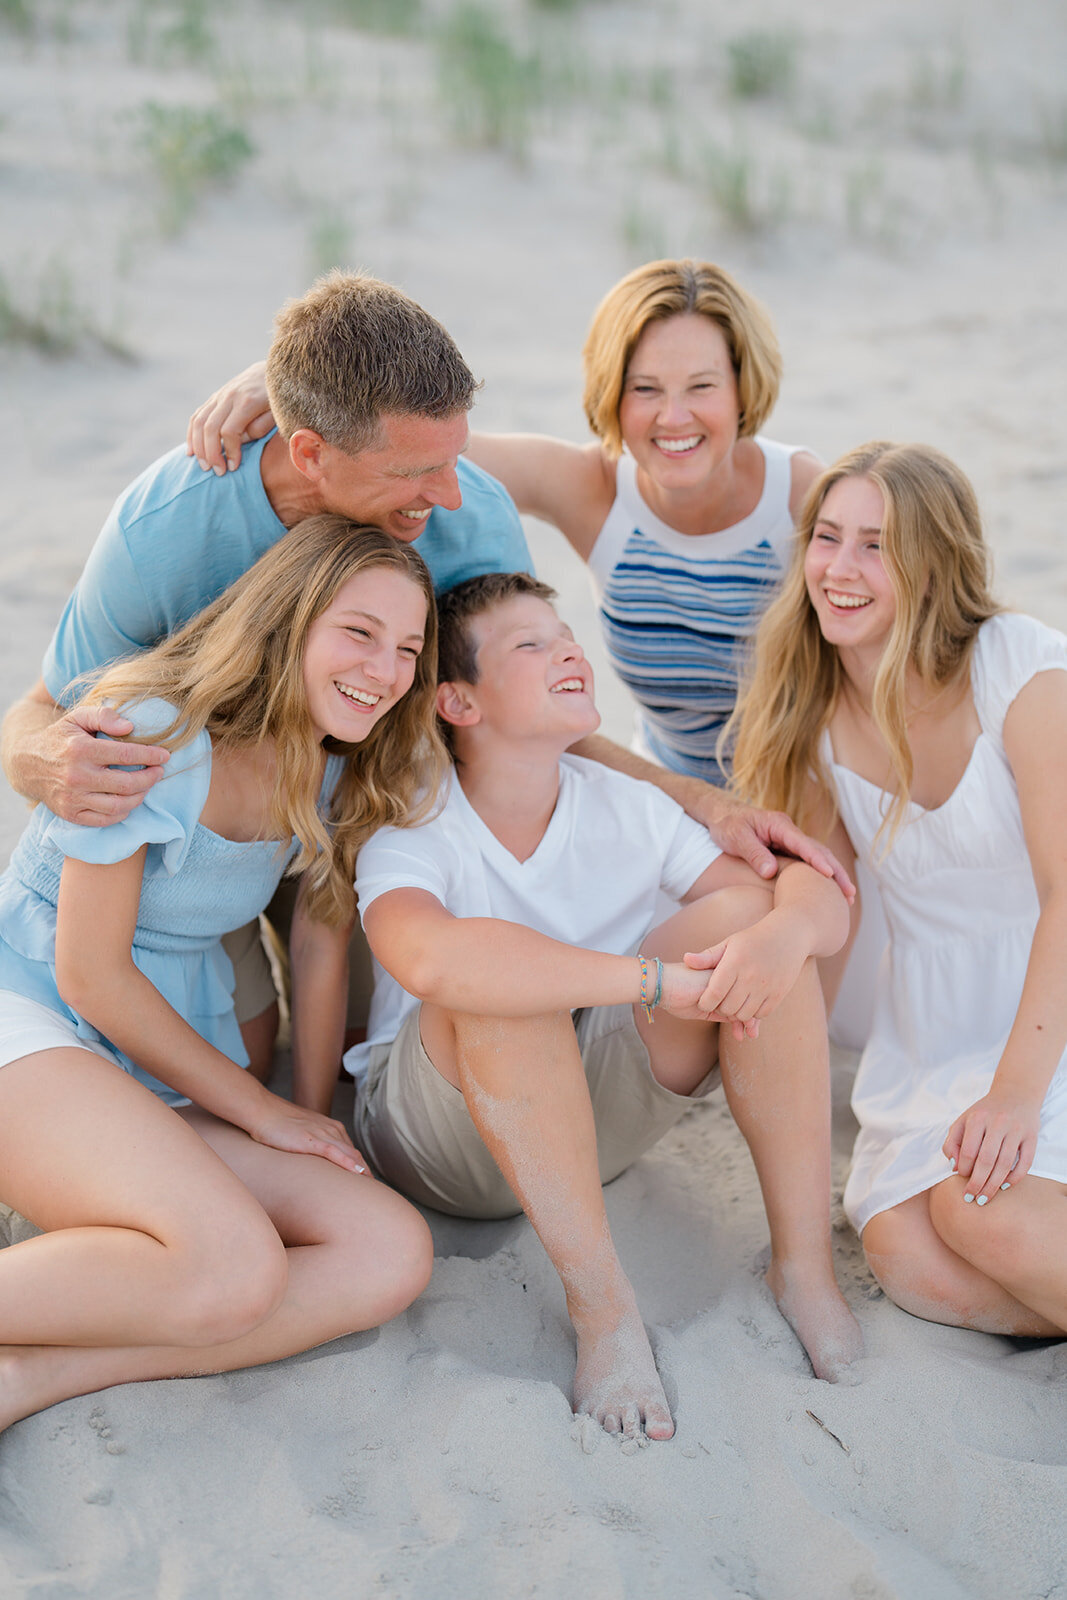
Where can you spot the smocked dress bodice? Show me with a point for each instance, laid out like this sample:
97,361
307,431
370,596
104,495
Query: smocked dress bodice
196,887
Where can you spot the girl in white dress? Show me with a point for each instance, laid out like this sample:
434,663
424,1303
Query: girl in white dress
898,710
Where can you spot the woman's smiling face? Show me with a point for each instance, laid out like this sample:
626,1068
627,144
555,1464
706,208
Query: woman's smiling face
679,408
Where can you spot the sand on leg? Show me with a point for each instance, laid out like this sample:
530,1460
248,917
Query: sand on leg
778,1089
524,1085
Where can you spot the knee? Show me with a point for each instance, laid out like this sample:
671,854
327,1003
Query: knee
407,1262
389,1259
985,1236
229,1288
909,1281
743,905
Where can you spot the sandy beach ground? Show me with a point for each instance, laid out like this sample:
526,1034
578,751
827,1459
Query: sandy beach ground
892,180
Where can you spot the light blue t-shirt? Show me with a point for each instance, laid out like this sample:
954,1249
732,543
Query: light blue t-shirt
178,536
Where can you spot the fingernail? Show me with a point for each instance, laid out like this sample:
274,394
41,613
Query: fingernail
1004,1186
952,1163
983,1199
967,1199
220,472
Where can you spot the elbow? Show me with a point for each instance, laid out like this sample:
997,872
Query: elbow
422,973
84,989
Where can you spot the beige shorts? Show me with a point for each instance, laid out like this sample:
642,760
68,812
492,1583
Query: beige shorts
415,1130
254,987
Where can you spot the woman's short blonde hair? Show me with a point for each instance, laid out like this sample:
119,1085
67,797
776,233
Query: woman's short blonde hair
664,289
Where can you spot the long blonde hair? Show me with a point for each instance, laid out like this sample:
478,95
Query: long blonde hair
236,670
938,563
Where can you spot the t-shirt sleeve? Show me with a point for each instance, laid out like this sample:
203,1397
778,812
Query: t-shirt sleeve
1011,650
165,819
107,616
401,858
688,847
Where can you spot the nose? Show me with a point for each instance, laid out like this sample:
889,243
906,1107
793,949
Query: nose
673,410
844,559
569,650
443,489
380,665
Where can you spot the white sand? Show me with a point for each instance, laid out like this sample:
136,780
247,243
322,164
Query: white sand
915,276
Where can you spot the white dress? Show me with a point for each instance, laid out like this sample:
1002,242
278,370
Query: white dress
960,902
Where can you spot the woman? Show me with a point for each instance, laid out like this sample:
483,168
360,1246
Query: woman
936,727
193,1221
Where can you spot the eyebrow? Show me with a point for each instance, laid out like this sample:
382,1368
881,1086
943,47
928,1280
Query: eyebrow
368,616
421,472
702,372
829,522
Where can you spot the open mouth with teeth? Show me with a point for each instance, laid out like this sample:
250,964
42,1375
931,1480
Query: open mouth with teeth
679,447
569,686
359,697
848,602
416,516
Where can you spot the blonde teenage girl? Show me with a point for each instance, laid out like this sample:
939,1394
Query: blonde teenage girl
193,1221
893,694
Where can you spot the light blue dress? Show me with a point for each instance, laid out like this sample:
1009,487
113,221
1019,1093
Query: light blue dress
197,887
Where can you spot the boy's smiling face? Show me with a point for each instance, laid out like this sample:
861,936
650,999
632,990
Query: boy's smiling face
533,678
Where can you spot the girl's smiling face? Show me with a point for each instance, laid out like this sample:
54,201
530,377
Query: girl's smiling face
848,584
360,653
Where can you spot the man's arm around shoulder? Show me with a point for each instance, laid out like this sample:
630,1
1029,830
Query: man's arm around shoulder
54,756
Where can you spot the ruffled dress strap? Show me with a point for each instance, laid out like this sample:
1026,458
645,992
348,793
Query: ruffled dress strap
167,815
1010,650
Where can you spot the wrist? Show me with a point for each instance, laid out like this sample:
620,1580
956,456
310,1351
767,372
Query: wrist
651,984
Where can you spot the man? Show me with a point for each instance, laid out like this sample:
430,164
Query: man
371,397
523,899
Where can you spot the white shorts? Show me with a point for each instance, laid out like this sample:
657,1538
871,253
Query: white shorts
26,1026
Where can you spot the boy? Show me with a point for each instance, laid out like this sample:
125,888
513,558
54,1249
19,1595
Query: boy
522,902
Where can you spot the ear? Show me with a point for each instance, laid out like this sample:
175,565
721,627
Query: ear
306,451
456,705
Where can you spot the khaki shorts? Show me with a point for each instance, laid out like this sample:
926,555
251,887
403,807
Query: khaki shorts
254,988
414,1128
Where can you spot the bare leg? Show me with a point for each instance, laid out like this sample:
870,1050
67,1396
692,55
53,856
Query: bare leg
259,1035
778,1088
919,1271
1016,1243
524,1084
357,1252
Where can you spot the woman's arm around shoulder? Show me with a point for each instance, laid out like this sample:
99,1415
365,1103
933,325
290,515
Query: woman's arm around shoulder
804,468
569,485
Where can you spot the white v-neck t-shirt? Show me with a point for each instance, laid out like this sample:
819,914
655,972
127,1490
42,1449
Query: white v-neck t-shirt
612,844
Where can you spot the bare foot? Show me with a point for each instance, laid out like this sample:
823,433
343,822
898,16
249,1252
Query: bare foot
821,1320
616,1381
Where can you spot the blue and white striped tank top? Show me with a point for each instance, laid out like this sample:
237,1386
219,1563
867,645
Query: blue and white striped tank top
677,609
